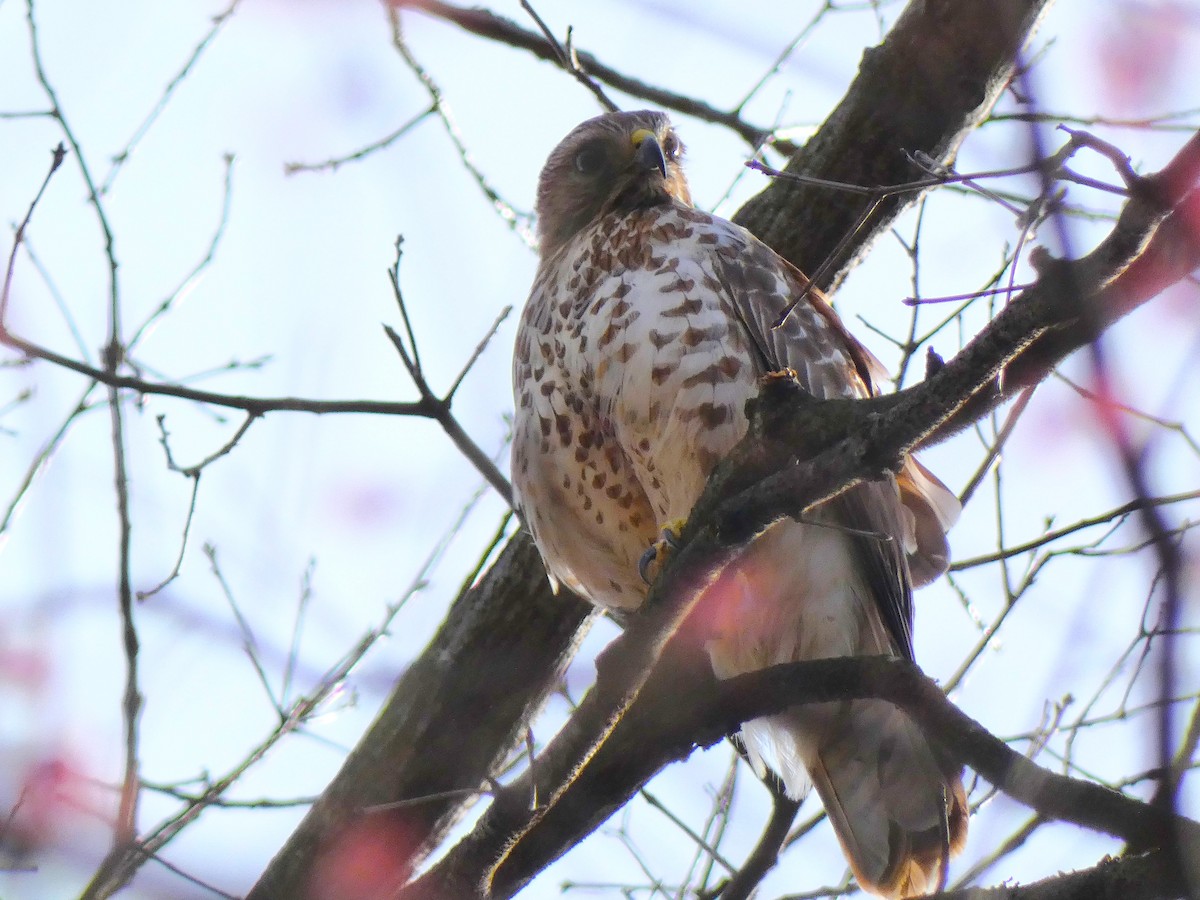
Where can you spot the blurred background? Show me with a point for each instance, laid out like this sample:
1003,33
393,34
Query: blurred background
253,201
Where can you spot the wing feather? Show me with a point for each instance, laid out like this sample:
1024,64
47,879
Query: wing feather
890,521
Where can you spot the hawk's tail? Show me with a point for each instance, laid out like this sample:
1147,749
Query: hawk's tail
898,811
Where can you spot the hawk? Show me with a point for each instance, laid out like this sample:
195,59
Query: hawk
648,327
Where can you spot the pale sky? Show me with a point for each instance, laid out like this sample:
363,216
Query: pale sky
298,283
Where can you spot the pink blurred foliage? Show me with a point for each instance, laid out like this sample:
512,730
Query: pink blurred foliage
54,793
365,860
26,669
1139,51
365,504
1182,299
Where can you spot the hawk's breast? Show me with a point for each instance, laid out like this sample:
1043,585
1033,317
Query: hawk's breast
640,370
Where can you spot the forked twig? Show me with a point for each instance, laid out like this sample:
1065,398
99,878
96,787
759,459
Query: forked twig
569,60
440,406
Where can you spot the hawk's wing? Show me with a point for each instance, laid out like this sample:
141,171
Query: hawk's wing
888,521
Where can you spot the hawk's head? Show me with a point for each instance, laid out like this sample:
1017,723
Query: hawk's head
617,162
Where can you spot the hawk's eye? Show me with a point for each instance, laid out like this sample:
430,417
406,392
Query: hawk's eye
591,159
671,147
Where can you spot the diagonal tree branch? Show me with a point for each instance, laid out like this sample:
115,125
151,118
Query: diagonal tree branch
415,748
809,241
934,79
486,24
1144,877
798,452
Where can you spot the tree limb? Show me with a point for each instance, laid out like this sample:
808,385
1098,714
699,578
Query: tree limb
798,452
508,631
486,24
930,83
796,222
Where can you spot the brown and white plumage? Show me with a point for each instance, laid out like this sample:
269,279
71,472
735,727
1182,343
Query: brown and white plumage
648,327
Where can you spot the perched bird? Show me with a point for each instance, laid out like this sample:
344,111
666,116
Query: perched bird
648,327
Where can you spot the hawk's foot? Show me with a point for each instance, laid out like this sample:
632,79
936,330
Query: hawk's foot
655,557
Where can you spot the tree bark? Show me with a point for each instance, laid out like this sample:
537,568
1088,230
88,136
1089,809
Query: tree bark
935,77
451,719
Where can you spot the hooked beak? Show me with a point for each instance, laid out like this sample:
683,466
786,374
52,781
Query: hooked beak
648,155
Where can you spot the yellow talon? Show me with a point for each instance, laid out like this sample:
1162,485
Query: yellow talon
655,557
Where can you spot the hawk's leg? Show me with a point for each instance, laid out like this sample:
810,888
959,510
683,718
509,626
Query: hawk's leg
655,557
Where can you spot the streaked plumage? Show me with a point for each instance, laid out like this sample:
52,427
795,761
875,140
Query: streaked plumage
647,329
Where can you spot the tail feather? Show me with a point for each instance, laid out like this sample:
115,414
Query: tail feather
930,509
897,812
798,592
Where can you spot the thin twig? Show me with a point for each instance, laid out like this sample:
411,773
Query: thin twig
254,405
183,541
293,657
218,22
383,143
712,852
517,221
60,153
60,302
569,59
477,352
766,852
193,473
997,445
488,25
189,281
192,879
249,643
174,790
1119,512
1167,122
42,458
440,406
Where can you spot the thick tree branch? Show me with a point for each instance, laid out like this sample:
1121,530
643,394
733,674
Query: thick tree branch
1052,795
798,452
801,217
517,637
1143,877
487,24
934,79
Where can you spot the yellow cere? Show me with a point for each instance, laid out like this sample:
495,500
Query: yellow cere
640,135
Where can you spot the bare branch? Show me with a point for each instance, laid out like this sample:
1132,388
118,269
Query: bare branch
383,143
440,406
249,644
60,153
256,406
1119,512
218,22
517,221
766,852
487,24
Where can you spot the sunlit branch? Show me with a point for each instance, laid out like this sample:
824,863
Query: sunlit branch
335,163
440,406
519,222
568,59
118,162
487,24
